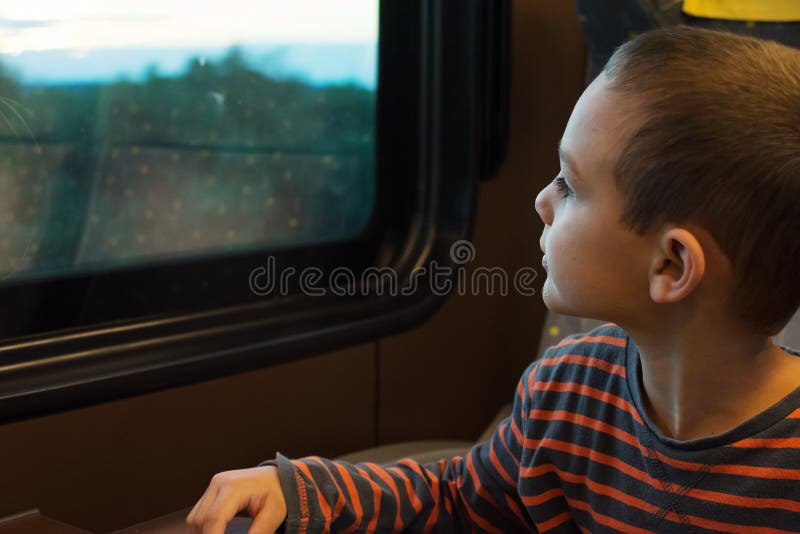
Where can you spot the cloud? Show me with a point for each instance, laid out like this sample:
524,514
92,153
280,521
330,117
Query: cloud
91,24
24,24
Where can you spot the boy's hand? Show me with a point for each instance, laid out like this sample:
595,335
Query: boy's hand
257,490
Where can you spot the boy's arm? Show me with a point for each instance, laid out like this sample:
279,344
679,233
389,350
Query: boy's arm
474,493
477,492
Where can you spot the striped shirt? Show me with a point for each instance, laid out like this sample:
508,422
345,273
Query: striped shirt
578,454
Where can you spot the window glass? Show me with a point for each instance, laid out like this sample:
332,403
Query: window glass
133,132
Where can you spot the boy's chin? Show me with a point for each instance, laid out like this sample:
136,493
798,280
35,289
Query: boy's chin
555,304
550,297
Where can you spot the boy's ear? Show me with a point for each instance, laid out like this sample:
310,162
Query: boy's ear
678,266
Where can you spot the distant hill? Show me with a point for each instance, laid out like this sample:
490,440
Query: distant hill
313,64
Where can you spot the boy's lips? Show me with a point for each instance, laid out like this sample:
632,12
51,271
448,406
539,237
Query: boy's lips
544,254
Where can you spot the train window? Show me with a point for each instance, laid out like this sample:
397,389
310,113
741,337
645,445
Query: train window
163,164
135,132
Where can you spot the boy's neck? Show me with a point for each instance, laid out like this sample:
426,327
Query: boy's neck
706,381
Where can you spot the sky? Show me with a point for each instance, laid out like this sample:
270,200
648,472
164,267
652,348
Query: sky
52,41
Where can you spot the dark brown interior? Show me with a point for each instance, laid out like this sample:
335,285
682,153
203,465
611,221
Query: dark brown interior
112,465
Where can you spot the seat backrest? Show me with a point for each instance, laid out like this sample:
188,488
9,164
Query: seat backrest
790,336
557,327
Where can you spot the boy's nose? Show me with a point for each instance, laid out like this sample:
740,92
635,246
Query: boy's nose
544,207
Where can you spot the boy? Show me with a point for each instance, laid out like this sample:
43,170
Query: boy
676,216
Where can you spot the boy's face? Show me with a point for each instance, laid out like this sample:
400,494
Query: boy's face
595,267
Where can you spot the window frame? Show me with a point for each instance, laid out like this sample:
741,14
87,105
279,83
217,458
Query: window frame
432,121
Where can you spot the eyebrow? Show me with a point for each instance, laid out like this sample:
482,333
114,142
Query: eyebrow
565,157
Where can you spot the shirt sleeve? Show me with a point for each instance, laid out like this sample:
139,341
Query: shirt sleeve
473,493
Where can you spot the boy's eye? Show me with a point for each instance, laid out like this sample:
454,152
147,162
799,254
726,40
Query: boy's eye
563,187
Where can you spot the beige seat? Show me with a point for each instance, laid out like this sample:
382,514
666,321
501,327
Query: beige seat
556,327
424,451
790,336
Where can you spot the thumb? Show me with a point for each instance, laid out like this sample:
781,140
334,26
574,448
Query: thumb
270,517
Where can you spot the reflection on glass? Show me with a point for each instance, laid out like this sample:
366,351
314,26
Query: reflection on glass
135,131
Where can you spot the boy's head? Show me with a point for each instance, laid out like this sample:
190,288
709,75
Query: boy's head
680,168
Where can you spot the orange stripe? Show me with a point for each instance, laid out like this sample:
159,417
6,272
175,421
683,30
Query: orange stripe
607,491
434,517
478,519
511,503
748,471
455,493
323,504
431,522
768,443
502,432
536,470
376,499
414,466
607,520
410,493
498,467
554,522
517,432
587,361
383,475
594,393
478,483
340,500
748,502
531,377
483,492
608,340
794,415
536,500
530,381
355,500
738,529
448,503
589,422
304,513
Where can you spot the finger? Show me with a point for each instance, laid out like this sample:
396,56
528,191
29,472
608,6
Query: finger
221,512
197,515
191,519
269,517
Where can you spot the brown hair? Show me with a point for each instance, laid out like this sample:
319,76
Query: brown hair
719,146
